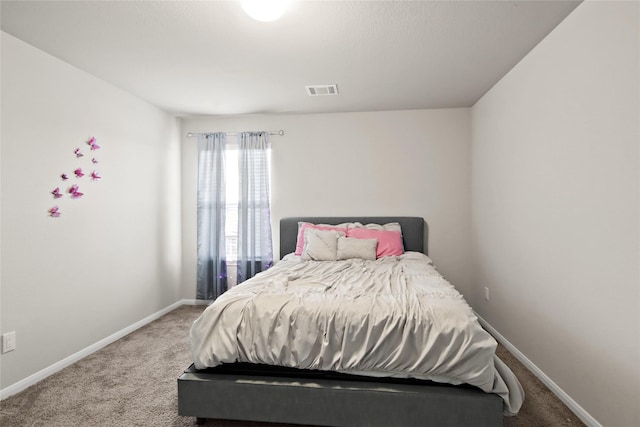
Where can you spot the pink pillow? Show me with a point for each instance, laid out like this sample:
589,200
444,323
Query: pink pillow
389,242
304,225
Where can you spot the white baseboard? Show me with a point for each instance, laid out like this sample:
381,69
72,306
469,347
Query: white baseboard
584,416
52,369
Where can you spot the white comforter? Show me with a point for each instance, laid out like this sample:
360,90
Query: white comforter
395,316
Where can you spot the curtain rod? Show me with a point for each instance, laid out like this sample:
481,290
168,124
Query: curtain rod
190,134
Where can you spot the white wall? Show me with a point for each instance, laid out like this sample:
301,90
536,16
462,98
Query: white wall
555,208
377,163
113,257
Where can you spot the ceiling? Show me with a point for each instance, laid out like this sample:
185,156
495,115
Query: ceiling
210,58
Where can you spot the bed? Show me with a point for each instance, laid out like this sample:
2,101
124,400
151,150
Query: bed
283,381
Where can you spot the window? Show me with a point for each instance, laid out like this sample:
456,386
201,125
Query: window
231,210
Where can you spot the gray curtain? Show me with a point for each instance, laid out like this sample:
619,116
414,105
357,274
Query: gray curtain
212,266
255,249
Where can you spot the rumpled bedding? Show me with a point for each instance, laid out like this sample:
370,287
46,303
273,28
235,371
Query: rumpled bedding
394,316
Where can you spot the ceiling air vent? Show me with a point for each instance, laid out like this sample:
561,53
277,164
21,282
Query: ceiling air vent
317,90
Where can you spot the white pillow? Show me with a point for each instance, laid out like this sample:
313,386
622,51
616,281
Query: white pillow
320,245
356,248
392,226
304,225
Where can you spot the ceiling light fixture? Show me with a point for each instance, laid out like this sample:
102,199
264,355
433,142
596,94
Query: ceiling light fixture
265,10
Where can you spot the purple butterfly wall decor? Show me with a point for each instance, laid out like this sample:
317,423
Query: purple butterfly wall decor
92,143
75,192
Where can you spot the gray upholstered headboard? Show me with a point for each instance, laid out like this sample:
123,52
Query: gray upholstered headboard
414,229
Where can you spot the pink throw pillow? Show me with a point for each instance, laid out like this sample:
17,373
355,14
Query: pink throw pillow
389,242
303,226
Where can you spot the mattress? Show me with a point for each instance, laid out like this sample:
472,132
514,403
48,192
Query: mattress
394,316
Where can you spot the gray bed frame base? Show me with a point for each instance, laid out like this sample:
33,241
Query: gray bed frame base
336,402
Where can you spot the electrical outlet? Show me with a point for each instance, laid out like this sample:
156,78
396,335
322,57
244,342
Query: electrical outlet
486,293
8,341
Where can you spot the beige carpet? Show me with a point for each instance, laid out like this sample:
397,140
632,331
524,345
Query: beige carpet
132,382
